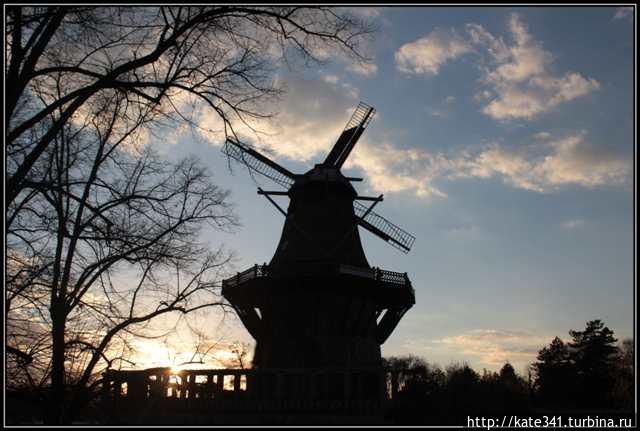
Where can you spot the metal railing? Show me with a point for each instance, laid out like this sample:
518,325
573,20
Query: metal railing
384,276
256,271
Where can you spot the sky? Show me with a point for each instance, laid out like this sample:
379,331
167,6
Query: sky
503,140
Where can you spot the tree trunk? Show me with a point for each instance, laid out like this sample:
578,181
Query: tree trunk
56,402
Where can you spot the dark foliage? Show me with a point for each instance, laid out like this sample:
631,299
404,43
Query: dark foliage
586,375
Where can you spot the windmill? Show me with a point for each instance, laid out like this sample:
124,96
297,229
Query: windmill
318,303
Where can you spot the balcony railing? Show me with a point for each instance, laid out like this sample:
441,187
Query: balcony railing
384,276
155,395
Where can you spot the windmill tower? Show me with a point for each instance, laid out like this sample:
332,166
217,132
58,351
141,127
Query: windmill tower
318,304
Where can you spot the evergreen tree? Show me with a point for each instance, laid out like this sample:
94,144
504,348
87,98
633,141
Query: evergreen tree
592,353
554,374
513,393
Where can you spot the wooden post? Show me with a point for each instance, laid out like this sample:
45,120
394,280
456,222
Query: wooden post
208,391
219,385
236,384
248,385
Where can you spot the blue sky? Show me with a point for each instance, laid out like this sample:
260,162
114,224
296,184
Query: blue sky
503,141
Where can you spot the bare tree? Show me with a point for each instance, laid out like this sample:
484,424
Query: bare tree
110,242
223,55
102,235
240,351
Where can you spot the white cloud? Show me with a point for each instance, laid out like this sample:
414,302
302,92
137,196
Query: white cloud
574,161
313,113
573,224
482,96
543,167
392,169
560,162
332,79
494,347
310,118
427,54
624,12
365,12
520,79
363,68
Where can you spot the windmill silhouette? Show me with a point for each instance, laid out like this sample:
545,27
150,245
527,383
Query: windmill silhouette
318,303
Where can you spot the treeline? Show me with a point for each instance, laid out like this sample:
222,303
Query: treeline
589,373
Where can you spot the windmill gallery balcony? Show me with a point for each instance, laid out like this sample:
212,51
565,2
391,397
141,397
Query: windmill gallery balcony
391,291
232,396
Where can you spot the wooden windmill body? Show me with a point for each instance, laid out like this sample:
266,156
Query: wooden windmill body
319,304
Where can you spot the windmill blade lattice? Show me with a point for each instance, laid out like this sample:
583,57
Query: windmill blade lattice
258,163
347,140
380,226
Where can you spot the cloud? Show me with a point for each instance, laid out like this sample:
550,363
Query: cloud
540,167
570,160
391,169
522,87
573,224
363,68
332,79
624,12
310,118
427,54
364,12
517,77
494,347
314,112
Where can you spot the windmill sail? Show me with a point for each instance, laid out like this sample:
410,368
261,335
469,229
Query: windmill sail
380,226
359,121
256,162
